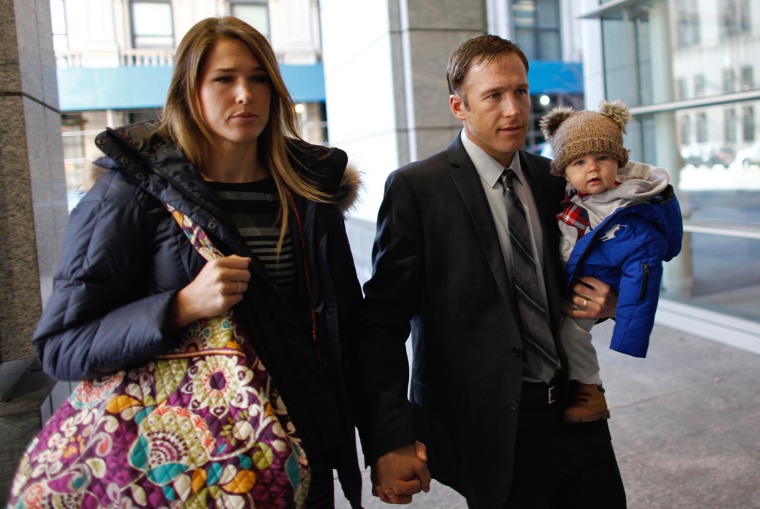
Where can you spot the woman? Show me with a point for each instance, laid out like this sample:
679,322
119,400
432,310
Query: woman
226,154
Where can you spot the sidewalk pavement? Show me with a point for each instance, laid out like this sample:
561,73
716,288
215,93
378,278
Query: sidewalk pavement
685,425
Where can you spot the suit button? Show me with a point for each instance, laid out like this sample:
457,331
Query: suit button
514,405
516,351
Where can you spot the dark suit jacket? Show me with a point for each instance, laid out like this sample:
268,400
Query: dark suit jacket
439,272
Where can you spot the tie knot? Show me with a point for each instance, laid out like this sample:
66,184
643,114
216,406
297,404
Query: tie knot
508,178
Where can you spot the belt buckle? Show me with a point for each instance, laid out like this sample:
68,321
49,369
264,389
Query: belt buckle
549,392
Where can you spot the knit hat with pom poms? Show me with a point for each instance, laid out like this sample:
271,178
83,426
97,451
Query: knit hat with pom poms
573,134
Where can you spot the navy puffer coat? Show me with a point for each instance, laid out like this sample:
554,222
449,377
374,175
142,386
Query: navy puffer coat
124,258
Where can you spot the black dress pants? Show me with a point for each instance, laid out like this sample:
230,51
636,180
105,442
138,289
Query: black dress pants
321,494
559,465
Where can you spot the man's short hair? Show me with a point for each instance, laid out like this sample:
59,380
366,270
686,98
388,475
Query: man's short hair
478,50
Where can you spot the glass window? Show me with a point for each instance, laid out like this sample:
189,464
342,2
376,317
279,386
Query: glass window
734,17
699,70
745,16
152,25
704,134
686,129
729,81
537,28
748,123
73,147
729,125
687,23
547,13
726,270
75,162
682,90
627,59
748,81
255,13
58,16
524,38
524,13
701,127
699,85
718,186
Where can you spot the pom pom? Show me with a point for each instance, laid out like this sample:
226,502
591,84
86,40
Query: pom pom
552,120
617,111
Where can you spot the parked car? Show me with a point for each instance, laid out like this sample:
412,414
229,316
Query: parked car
708,154
748,156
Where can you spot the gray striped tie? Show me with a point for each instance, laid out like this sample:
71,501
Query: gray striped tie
538,344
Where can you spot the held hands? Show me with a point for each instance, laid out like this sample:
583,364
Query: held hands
401,473
592,299
217,287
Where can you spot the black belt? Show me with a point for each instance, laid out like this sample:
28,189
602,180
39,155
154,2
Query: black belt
540,393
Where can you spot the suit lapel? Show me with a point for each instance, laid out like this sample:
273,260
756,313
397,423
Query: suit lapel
467,182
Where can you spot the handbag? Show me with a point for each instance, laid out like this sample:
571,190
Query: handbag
201,426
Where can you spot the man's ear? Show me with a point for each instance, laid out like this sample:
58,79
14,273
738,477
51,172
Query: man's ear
456,104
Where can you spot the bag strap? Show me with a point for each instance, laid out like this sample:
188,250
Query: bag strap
195,235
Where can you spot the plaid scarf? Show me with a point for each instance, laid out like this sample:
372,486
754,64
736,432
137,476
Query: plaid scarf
574,215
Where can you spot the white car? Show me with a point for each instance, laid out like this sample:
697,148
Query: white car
748,156
708,154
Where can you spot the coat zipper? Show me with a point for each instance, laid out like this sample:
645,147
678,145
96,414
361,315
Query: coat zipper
644,281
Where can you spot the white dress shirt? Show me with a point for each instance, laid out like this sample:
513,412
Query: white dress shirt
490,172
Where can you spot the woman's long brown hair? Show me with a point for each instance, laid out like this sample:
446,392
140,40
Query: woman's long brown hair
182,119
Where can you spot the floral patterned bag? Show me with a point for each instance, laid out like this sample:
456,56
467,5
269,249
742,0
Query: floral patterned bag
202,426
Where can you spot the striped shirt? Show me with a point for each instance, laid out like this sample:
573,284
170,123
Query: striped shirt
254,207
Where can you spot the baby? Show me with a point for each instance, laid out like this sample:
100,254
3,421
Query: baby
619,222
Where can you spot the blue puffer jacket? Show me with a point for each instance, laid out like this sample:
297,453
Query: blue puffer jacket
626,251
124,258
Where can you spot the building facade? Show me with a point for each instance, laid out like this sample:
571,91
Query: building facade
115,57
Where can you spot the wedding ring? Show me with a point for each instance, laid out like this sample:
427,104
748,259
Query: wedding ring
585,303
239,287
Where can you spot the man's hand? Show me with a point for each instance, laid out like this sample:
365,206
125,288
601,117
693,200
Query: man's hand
592,299
401,473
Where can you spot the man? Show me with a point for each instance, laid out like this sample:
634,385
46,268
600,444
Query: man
487,384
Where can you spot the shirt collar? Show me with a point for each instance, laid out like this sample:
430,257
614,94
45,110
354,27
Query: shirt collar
487,167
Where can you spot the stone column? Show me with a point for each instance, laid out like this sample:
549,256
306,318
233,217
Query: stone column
33,211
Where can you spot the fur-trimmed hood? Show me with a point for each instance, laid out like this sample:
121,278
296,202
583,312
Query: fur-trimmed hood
352,182
327,168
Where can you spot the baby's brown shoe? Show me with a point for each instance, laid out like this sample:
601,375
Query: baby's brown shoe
589,404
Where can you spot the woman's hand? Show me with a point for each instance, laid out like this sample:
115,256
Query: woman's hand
592,299
217,287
